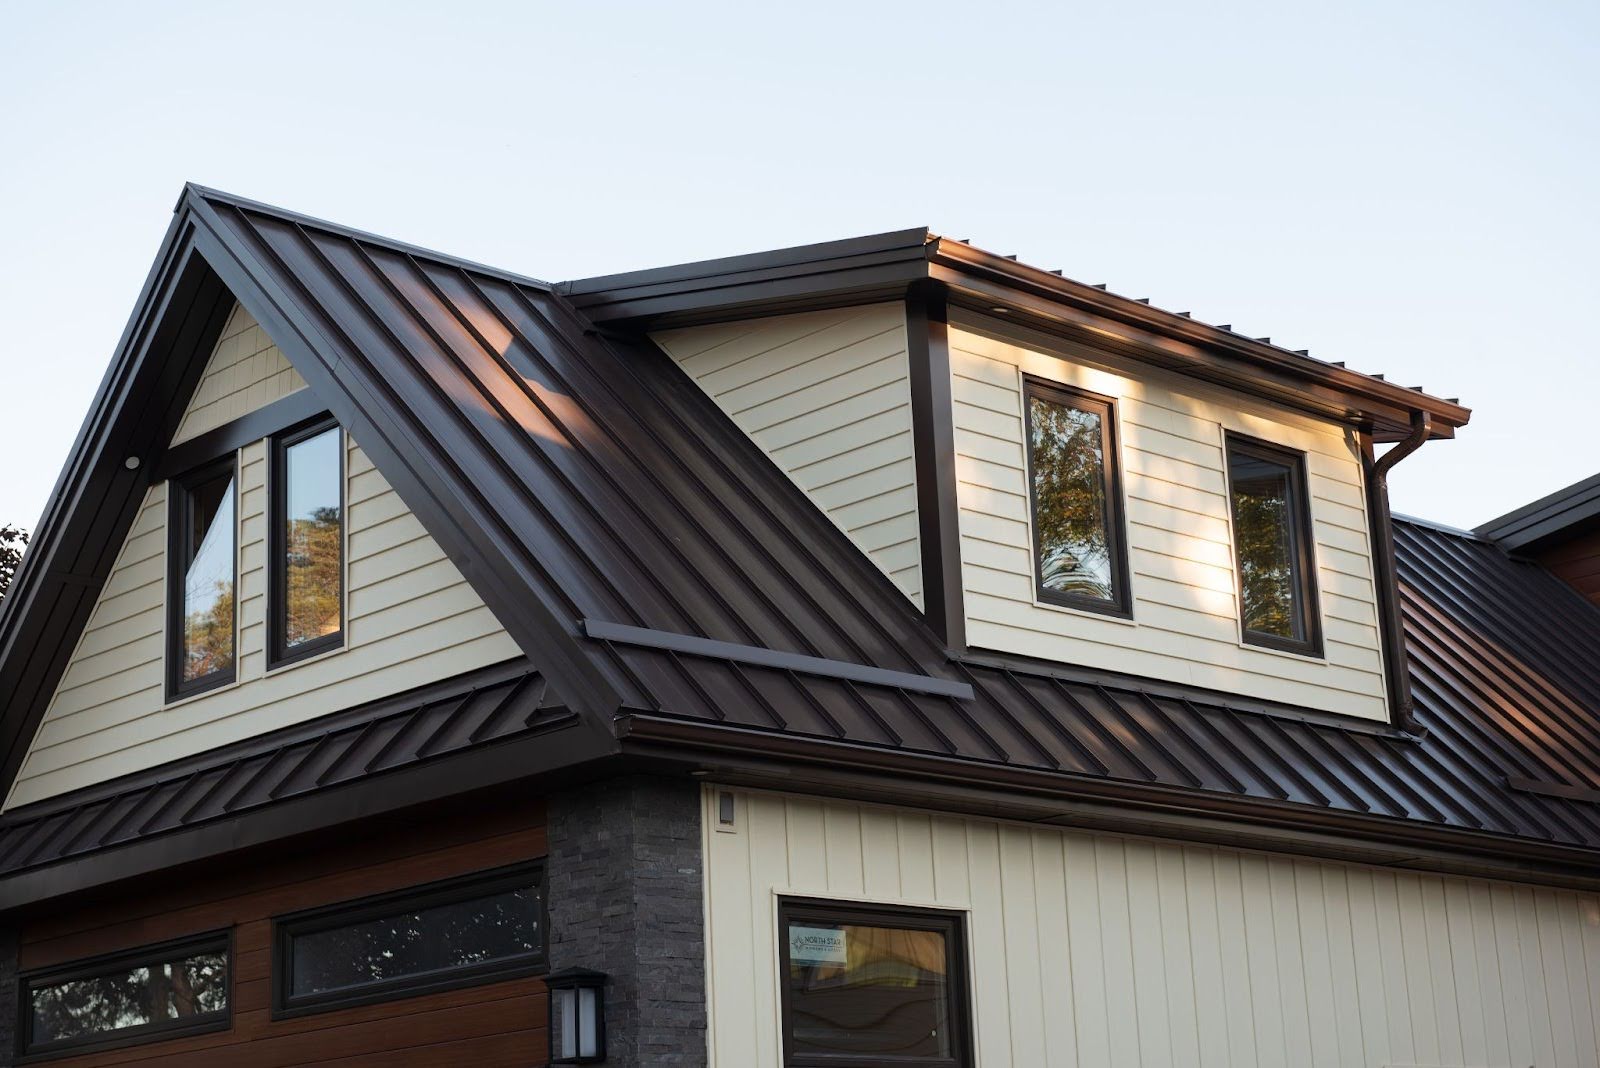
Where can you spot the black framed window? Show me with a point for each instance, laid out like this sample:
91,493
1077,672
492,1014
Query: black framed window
202,550
867,986
306,542
460,932
1075,494
1273,547
158,991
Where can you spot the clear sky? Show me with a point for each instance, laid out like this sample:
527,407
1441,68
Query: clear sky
1409,187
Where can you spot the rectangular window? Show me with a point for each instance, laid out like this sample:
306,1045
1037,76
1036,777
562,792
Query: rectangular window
1079,560
307,542
460,932
153,992
1272,546
870,986
201,548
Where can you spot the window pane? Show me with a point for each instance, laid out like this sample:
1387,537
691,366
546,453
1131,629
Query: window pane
208,578
868,991
418,941
313,526
1071,524
1263,527
183,989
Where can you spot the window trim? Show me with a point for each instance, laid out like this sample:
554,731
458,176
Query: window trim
278,575
109,963
285,928
1302,536
827,910
178,505
1121,607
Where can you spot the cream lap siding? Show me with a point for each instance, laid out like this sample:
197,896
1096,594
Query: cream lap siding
410,619
1186,618
826,395
1101,951
245,372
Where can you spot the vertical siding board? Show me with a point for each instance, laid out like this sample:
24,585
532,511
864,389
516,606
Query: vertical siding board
1103,950
914,837
1536,991
1441,970
1221,976
1419,977
841,828
1054,949
1552,957
991,989
1149,964
768,857
880,854
1466,971
1342,938
1091,1005
1513,983
1589,918
1292,984
951,886
1116,943
1491,986
1371,975
1024,950
731,962
807,846
1569,910
1310,899
1177,955
1260,938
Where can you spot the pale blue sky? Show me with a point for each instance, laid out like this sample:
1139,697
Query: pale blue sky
1409,187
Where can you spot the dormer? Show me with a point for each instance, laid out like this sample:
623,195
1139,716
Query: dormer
1057,475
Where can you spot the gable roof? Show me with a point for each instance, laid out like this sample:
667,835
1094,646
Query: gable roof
685,600
1550,520
569,477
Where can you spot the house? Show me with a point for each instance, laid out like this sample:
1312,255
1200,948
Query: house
872,652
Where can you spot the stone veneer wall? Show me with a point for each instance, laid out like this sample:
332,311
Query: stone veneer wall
625,890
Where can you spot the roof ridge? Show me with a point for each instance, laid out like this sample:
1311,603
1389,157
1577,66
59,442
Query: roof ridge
366,236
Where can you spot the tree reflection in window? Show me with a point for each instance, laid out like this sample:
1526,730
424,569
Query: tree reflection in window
1074,524
444,937
312,540
190,988
208,576
1271,534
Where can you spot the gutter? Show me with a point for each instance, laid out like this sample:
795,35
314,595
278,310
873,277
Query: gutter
1376,471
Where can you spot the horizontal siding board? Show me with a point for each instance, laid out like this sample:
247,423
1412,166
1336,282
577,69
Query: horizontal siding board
827,396
1178,526
412,619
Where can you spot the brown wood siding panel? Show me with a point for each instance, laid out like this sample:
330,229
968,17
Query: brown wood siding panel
1578,564
495,1024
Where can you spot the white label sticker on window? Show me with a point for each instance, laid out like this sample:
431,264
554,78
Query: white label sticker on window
816,945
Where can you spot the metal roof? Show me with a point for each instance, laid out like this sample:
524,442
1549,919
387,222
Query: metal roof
667,581
431,723
1505,681
1550,519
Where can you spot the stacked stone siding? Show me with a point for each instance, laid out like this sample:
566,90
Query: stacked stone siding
624,877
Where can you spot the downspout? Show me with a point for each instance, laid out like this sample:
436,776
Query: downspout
1383,564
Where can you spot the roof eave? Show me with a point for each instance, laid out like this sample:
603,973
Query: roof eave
985,281
884,266
728,752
